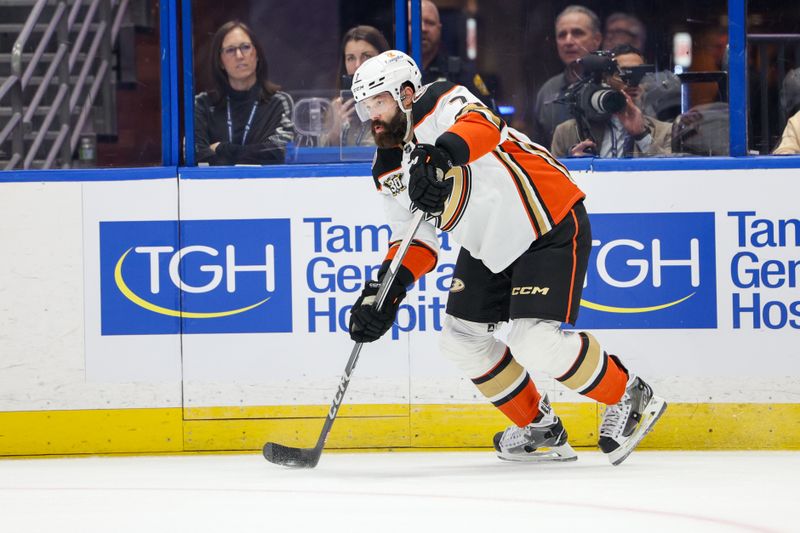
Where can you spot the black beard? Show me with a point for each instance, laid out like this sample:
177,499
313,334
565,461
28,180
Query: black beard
393,133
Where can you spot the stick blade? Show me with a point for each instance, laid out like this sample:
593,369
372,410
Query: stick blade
291,457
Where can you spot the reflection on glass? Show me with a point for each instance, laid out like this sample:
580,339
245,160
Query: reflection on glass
309,117
520,57
773,45
537,52
310,46
444,58
790,104
606,105
347,131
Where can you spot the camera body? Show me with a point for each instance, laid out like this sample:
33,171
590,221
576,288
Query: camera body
590,97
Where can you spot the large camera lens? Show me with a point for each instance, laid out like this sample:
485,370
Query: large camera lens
607,101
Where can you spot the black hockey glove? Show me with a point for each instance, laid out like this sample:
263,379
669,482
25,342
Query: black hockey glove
427,187
368,324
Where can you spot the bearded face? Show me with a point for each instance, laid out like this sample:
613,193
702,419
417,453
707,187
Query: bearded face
390,134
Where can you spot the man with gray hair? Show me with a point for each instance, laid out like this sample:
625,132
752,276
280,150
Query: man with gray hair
577,34
624,28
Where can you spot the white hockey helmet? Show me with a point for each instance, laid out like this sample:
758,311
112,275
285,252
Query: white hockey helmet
386,72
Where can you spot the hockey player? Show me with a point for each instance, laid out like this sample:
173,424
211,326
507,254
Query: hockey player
525,240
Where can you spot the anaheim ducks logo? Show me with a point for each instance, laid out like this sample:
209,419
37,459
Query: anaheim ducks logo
457,285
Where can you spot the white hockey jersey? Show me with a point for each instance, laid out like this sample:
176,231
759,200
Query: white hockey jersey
507,191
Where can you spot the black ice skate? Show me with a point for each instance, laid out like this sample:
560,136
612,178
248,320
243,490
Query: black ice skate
626,423
526,443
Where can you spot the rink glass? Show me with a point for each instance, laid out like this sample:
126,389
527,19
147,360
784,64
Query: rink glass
773,52
512,45
302,44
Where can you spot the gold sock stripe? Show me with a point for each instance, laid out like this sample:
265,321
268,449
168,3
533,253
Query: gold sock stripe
587,366
503,382
596,381
517,388
579,360
498,367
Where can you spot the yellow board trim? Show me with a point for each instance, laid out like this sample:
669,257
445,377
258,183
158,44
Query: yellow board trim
91,431
685,426
294,411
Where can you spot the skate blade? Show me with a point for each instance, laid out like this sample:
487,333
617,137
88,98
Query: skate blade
556,454
655,408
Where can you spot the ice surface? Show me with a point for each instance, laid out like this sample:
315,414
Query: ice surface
403,492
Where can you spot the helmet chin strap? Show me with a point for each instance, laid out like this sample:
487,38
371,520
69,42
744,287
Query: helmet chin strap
409,122
409,128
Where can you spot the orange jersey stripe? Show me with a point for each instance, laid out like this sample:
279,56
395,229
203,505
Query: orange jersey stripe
480,135
534,225
556,190
420,259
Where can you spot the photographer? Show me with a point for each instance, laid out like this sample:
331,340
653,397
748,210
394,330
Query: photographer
577,33
605,103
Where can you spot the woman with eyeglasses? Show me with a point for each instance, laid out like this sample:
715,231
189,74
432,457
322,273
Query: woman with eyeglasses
358,44
246,120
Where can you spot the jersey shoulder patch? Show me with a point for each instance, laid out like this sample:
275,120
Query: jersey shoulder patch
386,160
426,100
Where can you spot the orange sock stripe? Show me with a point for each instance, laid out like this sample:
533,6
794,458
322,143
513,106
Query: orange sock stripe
522,405
420,258
609,386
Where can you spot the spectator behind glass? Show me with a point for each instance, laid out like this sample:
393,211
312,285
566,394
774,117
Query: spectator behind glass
577,34
628,133
437,65
790,100
790,140
246,120
662,98
622,28
358,45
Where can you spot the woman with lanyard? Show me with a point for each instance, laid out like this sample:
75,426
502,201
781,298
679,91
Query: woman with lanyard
246,120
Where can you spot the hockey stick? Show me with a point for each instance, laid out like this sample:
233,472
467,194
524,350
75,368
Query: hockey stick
309,457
